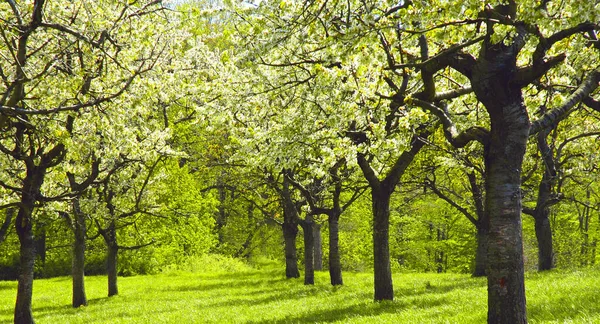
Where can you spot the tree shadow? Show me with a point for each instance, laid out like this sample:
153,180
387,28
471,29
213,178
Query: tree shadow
349,312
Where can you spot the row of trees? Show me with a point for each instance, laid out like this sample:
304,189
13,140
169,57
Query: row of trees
126,119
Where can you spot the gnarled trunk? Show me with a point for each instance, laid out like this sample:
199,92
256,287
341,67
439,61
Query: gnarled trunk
78,264
335,265
381,246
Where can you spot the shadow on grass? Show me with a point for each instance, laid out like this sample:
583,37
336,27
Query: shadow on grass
358,310
426,287
8,285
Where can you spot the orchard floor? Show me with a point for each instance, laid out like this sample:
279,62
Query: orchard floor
264,296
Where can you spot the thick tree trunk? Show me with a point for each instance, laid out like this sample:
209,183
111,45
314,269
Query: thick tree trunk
505,271
290,231
309,247
335,265
381,247
78,265
23,314
543,233
481,253
318,247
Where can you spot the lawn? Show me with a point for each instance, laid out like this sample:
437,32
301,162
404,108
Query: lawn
265,296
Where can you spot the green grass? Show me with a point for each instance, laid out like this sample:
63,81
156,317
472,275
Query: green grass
264,296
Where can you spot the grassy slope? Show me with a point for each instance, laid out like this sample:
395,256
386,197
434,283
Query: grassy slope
266,297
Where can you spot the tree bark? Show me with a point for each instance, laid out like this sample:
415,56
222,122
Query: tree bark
381,246
335,264
78,265
290,231
309,247
318,247
505,271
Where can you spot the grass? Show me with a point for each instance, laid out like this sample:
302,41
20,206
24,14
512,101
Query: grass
265,296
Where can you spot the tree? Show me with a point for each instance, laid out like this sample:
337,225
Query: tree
61,63
498,62
473,208
317,201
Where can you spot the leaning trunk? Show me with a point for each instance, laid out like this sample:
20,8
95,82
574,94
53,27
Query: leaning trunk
335,265
481,253
503,161
309,247
290,231
381,247
78,265
23,314
543,233
318,247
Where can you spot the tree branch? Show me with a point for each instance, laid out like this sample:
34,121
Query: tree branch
458,140
546,43
533,72
431,185
551,118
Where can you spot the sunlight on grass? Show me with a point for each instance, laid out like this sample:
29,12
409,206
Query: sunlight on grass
265,296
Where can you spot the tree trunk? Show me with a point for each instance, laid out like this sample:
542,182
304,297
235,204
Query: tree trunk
543,233
290,231
318,247
111,259
335,265
6,224
381,246
23,314
78,265
481,254
40,244
505,271
309,247
24,227
111,269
